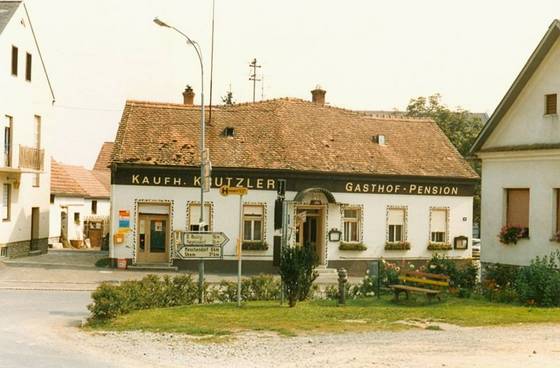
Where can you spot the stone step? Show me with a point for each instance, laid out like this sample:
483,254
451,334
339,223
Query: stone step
153,267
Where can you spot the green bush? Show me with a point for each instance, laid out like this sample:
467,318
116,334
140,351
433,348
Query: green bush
499,283
462,279
297,270
110,301
539,283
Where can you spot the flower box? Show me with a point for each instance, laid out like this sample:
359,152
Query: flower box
439,246
352,246
254,246
510,234
402,245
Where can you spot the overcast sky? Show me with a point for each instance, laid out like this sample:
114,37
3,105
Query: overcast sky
368,54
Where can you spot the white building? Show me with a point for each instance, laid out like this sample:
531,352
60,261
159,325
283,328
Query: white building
379,184
26,100
520,152
80,203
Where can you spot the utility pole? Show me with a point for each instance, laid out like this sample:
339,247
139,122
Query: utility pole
253,77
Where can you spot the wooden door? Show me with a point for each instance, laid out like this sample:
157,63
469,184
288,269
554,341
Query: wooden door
95,233
153,239
35,228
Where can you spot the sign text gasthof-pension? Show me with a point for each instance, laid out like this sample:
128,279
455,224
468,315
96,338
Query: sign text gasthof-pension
267,181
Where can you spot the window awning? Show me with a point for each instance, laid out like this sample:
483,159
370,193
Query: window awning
301,194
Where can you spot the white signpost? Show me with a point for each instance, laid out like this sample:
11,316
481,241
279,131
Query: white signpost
199,245
240,191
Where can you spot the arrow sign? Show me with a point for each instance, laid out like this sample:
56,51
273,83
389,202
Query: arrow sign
195,238
200,245
227,190
202,252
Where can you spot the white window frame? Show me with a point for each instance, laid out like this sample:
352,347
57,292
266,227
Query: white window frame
192,221
6,202
253,218
446,231
404,232
346,235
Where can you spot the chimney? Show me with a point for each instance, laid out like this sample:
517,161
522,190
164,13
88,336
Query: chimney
318,95
188,96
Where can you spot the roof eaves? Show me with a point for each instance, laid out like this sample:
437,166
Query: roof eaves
523,77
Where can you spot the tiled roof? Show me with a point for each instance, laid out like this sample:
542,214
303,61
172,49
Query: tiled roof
76,181
7,10
104,157
288,134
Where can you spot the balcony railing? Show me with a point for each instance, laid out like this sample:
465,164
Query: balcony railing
31,158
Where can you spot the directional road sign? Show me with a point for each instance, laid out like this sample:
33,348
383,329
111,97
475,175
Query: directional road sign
227,190
199,245
199,252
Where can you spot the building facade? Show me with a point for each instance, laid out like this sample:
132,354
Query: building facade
80,204
520,152
355,187
26,100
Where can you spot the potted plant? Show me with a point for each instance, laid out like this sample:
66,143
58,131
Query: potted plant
510,234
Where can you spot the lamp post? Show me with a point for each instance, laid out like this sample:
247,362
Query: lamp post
196,47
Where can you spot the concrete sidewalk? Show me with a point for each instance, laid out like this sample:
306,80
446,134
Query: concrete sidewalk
74,270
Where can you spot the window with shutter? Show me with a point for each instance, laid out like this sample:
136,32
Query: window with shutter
253,223
517,213
395,223
550,104
194,217
6,201
438,225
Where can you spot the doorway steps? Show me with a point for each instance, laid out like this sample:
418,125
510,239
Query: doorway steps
153,267
326,275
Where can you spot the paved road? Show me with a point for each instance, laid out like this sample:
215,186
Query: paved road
32,328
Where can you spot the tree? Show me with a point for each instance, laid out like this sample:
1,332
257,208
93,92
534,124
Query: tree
460,126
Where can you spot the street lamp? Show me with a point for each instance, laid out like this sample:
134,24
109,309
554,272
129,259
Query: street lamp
196,46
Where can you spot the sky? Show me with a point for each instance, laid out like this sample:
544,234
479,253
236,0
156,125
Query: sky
367,54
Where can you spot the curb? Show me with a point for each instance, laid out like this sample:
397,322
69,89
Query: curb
52,265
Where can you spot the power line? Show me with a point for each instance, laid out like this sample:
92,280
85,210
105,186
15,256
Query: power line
66,107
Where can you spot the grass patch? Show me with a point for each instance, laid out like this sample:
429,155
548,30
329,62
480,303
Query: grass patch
326,316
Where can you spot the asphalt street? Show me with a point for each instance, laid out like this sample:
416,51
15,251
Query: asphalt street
32,328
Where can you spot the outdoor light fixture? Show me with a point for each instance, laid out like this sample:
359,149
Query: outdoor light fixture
335,235
203,153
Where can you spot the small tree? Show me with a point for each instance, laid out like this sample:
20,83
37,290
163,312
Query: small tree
297,270
228,98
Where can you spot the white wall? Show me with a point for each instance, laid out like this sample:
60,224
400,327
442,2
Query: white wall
23,100
75,205
226,219
538,171
525,122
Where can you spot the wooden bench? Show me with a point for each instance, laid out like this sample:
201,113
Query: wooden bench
430,284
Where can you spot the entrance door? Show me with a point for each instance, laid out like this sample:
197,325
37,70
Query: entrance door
309,230
95,233
153,239
34,228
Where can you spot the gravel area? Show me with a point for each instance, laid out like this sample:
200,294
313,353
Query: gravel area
518,346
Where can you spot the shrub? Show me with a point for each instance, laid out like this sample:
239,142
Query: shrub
539,283
499,283
108,302
297,270
462,279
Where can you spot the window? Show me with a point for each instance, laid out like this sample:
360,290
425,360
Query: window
253,223
6,201
76,217
28,67
52,198
517,211
94,207
14,60
557,230
438,225
7,151
194,217
351,224
37,142
396,223
550,104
